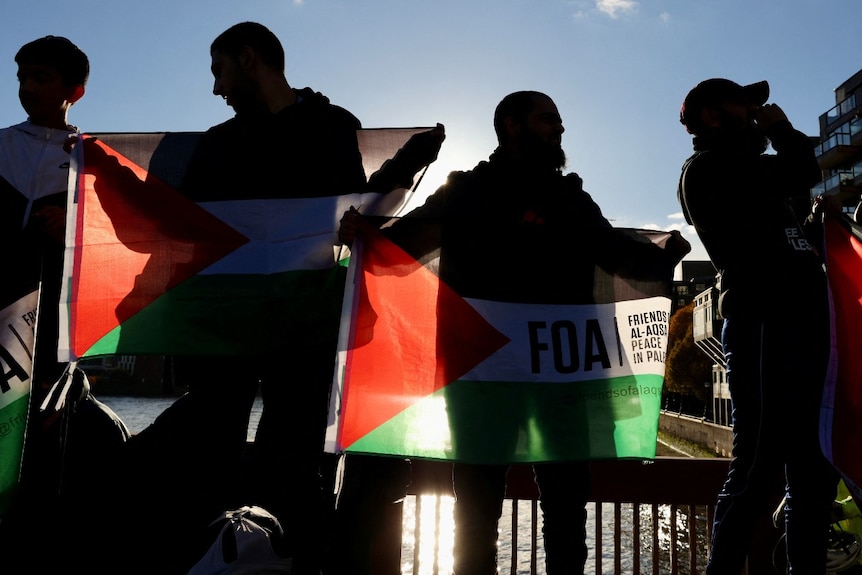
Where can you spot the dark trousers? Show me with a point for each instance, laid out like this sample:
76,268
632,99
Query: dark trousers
194,457
775,370
564,489
370,485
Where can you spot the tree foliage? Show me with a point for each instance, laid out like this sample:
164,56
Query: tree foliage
687,368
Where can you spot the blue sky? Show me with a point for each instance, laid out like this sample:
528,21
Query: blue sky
617,69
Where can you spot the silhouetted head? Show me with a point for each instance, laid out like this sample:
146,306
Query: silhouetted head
717,102
66,58
52,72
251,35
247,61
529,129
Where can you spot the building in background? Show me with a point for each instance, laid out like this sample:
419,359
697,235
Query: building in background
706,330
839,150
691,278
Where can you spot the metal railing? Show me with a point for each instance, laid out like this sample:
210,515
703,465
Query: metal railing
651,517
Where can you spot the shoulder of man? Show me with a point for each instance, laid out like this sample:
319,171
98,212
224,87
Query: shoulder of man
24,128
705,164
573,187
320,102
459,186
7,134
227,126
573,181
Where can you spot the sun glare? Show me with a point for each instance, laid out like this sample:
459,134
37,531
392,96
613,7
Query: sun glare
431,535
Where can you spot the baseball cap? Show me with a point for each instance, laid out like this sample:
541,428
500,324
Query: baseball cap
715,91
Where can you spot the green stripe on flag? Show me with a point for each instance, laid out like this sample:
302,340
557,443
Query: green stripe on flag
491,422
427,373
16,363
13,422
234,314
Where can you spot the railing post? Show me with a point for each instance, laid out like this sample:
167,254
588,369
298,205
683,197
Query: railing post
677,482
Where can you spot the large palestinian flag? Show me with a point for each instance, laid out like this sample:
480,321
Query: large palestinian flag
426,373
151,272
842,396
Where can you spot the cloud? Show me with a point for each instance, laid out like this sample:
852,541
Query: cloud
664,17
616,8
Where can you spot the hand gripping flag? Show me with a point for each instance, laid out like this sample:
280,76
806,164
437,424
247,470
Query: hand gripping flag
426,373
149,271
842,395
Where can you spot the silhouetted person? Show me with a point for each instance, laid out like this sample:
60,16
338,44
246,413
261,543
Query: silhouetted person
747,208
283,143
504,229
65,448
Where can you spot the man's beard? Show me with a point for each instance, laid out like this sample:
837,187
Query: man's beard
541,154
243,99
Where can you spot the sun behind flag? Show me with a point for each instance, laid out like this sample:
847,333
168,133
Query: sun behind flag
426,373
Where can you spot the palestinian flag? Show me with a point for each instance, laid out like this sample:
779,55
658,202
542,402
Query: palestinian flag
17,328
842,395
426,373
150,272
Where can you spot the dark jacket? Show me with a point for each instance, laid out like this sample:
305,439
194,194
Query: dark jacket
512,234
747,208
306,150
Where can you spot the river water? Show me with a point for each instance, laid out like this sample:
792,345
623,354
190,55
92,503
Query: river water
435,525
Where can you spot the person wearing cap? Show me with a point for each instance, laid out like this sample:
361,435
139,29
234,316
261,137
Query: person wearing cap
749,209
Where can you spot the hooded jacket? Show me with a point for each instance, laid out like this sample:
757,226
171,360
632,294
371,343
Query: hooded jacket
747,208
515,234
306,150
34,173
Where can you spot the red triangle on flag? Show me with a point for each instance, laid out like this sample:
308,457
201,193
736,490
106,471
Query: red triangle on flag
142,238
411,335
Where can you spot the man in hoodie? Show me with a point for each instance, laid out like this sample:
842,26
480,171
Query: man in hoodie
748,208
282,143
502,229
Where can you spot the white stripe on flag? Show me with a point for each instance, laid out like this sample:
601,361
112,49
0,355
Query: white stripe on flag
285,234
560,343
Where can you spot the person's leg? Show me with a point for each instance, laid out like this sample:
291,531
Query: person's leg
564,489
796,387
187,465
288,449
479,493
369,486
757,465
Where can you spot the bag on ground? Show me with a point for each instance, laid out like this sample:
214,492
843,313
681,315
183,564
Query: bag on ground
244,545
